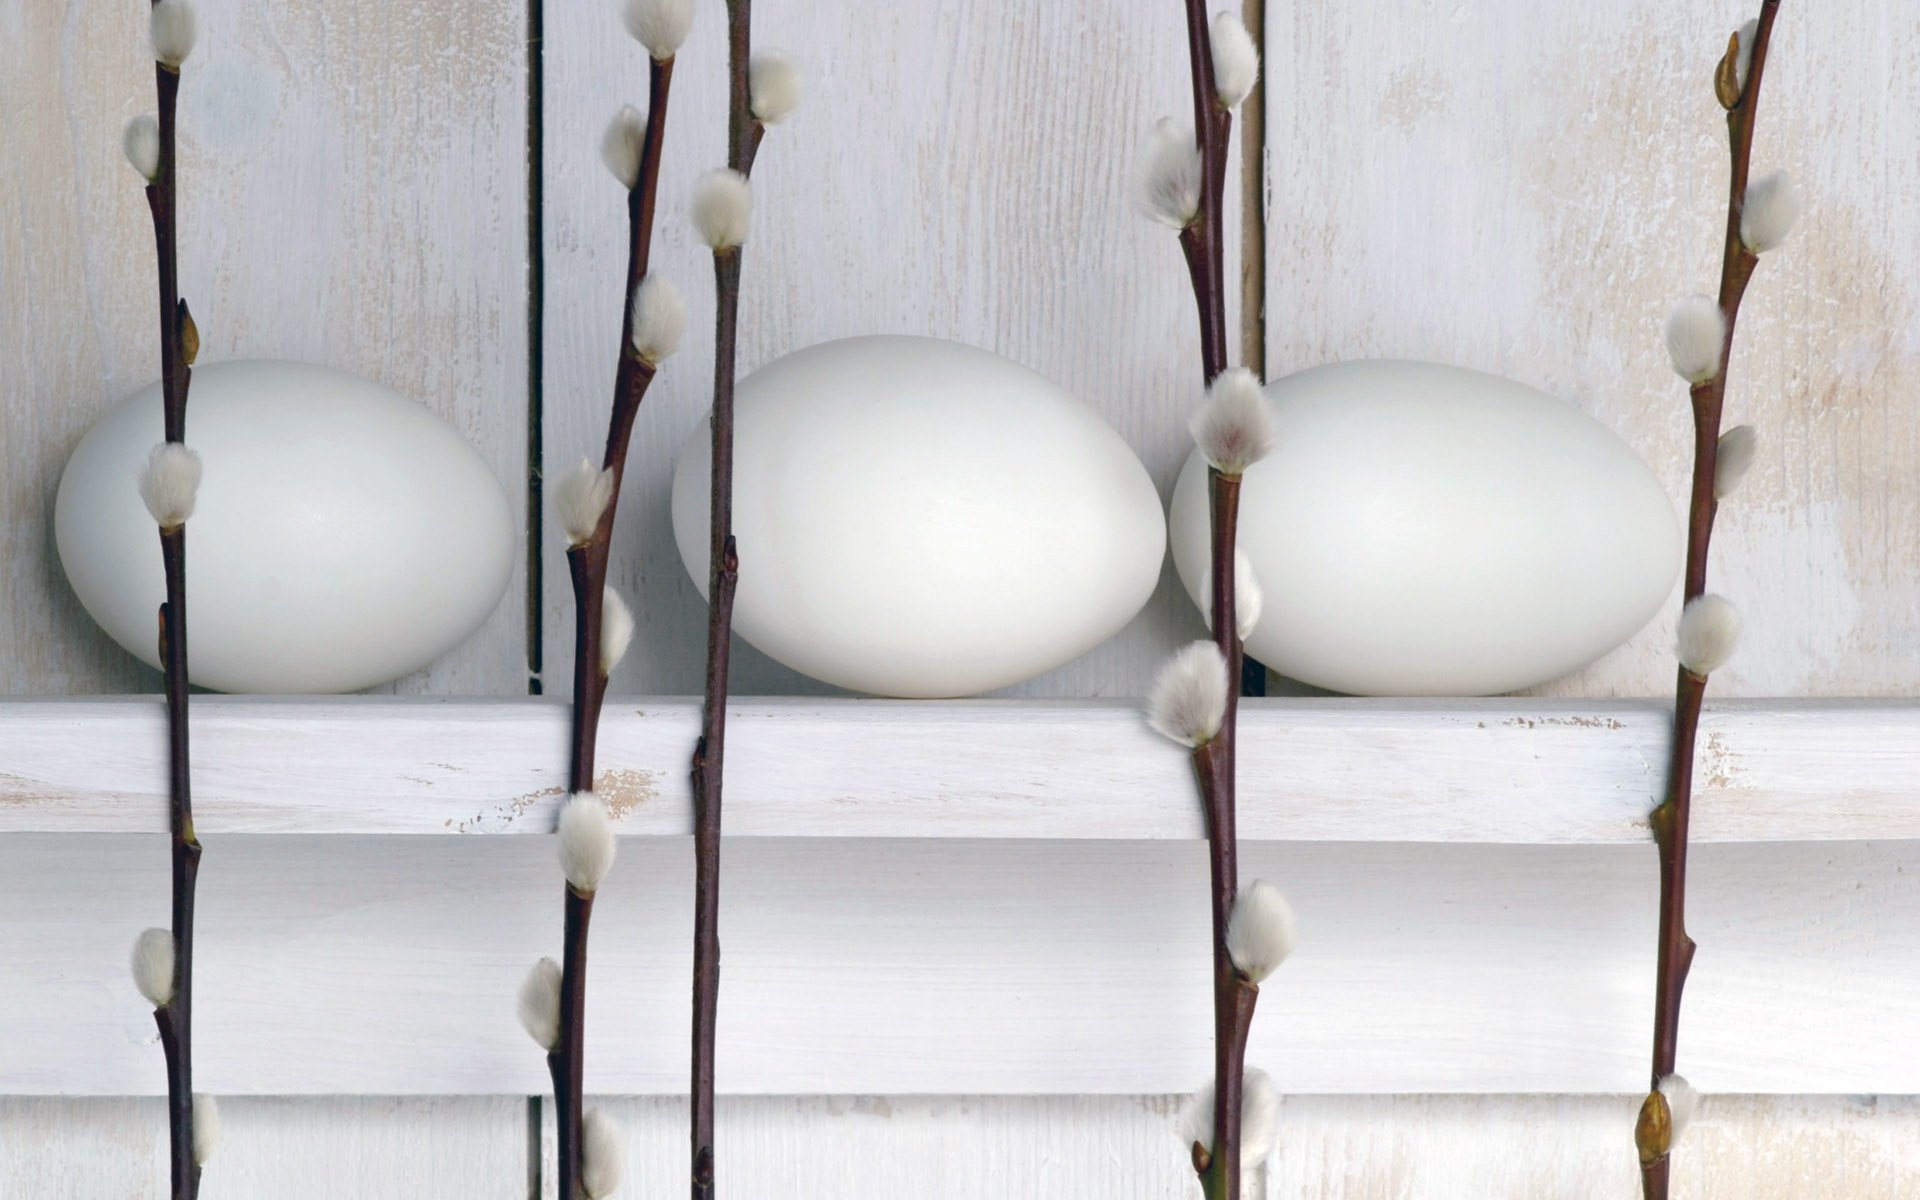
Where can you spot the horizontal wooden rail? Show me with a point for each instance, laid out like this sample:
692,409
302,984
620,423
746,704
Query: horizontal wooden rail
1510,771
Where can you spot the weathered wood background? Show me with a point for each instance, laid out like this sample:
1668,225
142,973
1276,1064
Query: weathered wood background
1518,187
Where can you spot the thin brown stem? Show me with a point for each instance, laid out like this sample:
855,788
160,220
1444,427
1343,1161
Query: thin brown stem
567,1061
1671,820
709,755
710,752
176,359
1203,244
587,566
1212,131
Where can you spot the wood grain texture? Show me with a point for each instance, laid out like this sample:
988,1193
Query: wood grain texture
1009,1148
353,193
1528,189
108,1149
964,967
1490,771
957,170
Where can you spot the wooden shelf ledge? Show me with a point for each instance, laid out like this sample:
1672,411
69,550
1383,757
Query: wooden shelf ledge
1509,771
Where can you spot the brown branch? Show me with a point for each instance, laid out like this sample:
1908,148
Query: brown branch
1671,820
709,755
1202,243
1204,240
178,344
566,1062
587,566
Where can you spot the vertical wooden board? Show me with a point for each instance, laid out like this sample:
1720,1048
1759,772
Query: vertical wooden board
353,193
1528,189
959,170
473,1148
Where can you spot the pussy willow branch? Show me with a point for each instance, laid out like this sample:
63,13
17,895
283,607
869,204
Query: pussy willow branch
1670,820
723,575
587,568
1214,763
177,348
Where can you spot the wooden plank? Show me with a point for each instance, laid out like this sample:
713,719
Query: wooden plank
352,193
956,171
1529,188
287,1148
1512,771
964,966
1016,1148
1357,1147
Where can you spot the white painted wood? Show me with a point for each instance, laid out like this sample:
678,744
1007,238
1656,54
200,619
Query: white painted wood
1009,1148
955,171
1529,188
964,966
1354,1147
1499,771
352,192
285,1148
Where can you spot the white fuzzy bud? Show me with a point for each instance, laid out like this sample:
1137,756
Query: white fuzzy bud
172,27
659,319
1259,1119
1772,206
1696,334
1167,185
616,630
1260,931
1709,631
1248,596
580,497
722,202
586,842
1682,1102
153,966
540,1003
623,145
603,1155
773,87
660,25
1234,428
1743,61
1236,61
169,482
206,1127
1733,459
1189,699
141,142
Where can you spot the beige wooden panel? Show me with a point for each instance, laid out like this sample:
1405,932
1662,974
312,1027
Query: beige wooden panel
353,193
959,170
445,1148
1528,188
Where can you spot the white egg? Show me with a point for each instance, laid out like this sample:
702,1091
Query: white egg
342,537
920,518
1424,530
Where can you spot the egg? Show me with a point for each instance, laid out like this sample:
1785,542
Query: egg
919,518
342,536
1425,530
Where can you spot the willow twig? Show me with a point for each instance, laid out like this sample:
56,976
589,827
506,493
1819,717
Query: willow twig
168,486
1706,622
553,1003
709,755
760,90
